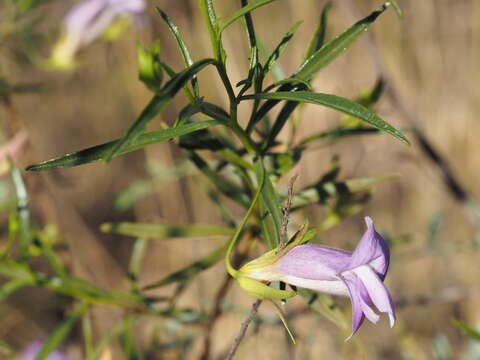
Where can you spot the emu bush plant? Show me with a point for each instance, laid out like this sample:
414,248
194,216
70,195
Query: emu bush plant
244,164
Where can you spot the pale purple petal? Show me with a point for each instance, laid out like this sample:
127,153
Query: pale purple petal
334,287
313,262
31,352
377,292
373,250
89,19
357,312
129,7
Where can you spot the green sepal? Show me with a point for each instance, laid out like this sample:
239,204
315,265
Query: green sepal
263,291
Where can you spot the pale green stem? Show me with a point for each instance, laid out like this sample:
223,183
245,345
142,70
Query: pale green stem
228,259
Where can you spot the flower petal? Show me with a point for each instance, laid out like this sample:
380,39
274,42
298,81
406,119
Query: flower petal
357,312
334,287
377,291
373,250
313,262
82,19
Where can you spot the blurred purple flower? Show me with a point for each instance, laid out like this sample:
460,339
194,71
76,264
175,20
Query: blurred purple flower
89,19
32,350
358,275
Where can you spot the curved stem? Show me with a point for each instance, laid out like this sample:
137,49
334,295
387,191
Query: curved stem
228,258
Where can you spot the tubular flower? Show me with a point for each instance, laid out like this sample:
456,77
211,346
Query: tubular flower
88,20
358,275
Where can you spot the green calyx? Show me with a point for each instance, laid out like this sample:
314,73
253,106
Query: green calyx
259,289
263,291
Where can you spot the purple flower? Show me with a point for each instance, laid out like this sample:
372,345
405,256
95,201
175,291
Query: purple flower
89,19
358,275
32,350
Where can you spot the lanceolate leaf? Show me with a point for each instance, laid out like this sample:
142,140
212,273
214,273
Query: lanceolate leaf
252,6
330,51
98,152
311,194
156,105
228,188
280,47
472,333
11,286
165,231
181,44
319,36
192,270
338,103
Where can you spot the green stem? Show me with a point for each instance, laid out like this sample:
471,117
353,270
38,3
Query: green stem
222,71
228,258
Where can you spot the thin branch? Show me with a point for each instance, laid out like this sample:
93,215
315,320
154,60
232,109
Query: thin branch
243,330
286,213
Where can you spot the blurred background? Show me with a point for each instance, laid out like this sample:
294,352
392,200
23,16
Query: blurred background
429,61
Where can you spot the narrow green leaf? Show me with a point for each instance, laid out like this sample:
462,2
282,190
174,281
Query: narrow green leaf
320,32
223,209
52,258
98,152
338,103
186,113
240,13
233,158
12,286
252,41
467,330
187,273
228,188
87,333
213,29
135,264
159,231
215,112
110,336
156,105
135,191
82,289
187,58
12,269
371,97
397,8
363,184
331,50
58,335
317,193
280,47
